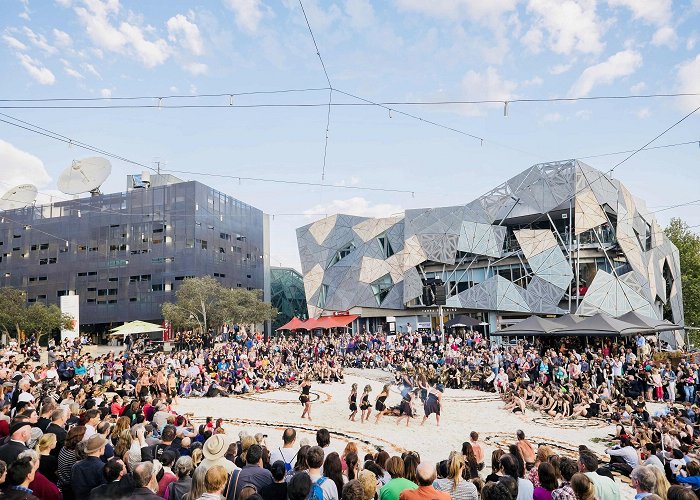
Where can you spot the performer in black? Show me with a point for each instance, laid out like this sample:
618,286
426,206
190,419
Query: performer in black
304,397
433,403
352,400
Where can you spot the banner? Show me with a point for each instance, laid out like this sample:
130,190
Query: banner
70,304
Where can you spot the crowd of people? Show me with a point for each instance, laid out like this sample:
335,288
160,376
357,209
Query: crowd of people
105,427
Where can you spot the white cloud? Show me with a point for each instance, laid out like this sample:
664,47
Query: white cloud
106,92
150,53
13,43
193,88
248,13
533,40
533,82
560,69
39,41
485,86
691,42
572,25
187,33
74,73
196,68
127,38
360,12
354,206
656,12
638,88
458,10
584,114
37,70
20,167
665,35
100,30
619,65
62,38
91,69
643,113
552,117
64,3
173,89
688,77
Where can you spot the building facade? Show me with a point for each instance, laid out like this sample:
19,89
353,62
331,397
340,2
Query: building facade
125,254
559,237
287,295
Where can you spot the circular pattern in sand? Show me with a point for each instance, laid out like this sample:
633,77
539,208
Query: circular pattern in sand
286,397
566,423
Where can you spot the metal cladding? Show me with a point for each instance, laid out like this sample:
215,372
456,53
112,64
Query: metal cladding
350,261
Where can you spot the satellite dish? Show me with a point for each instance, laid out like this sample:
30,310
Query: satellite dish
84,176
18,197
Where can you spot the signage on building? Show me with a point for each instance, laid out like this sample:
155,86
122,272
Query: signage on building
341,313
70,304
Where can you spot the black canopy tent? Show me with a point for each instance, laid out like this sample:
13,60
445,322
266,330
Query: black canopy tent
601,325
462,321
657,325
532,326
568,320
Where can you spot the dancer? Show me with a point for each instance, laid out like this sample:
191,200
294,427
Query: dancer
433,403
352,400
304,397
364,404
380,403
406,407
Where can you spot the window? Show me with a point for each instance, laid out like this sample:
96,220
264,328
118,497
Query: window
221,250
92,273
82,274
92,289
321,302
44,246
93,249
52,260
133,299
43,262
341,254
101,292
145,277
32,278
203,244
387,250
90,301
61,293
381,288
33,247
112,279
157,287
82,248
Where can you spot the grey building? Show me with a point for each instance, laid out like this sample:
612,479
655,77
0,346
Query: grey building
125,254
559,237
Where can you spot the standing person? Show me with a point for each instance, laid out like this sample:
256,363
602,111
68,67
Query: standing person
392,489
433,403
454,484
380,403
526,450
406,407
365,406
288,453
305,397
352,401
318,480
477,448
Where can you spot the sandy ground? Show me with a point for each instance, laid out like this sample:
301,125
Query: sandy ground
463,411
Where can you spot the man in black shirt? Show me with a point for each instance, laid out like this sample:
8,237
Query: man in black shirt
278,489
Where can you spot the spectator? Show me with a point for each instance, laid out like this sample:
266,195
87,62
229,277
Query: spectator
509,464
392,490
116,484
299,487
278,489
583,487
214,482
178,489
145,482
643,481
288,451
20,432
251,474
167,460
605,487
426,475
454,484
19,475
352,490
548,482
88,473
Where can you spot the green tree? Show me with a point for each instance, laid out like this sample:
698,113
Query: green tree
13,302
37,319
688,244
40,320
203,302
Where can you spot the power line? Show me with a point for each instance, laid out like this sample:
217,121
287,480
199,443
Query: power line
664,146
330,90
282,181
56,136
386,103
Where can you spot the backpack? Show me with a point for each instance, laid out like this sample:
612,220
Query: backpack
287,465
316,492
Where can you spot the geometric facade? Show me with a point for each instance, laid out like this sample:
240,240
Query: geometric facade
559,237
287,295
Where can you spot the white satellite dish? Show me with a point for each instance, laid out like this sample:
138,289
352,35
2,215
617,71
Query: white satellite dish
18,197
84,176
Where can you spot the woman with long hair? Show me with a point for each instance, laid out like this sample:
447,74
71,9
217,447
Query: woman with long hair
333,470
496,469
352,462
380,403
352,402
365,405
410,464
662,484
547,478
67,457
301,465
471,467
351,447
198,487
305,396
583,487
123,423
542,455
454,483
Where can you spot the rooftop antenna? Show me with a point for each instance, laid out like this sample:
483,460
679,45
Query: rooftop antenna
18,197
84,176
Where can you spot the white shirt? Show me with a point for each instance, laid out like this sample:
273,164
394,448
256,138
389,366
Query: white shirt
525,489
287,455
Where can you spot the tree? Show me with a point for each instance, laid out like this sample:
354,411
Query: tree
688,244
40,320
204,302
37,319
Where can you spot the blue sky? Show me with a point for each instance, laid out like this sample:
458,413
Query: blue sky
388,51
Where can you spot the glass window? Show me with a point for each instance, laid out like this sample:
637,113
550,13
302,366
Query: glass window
381,288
